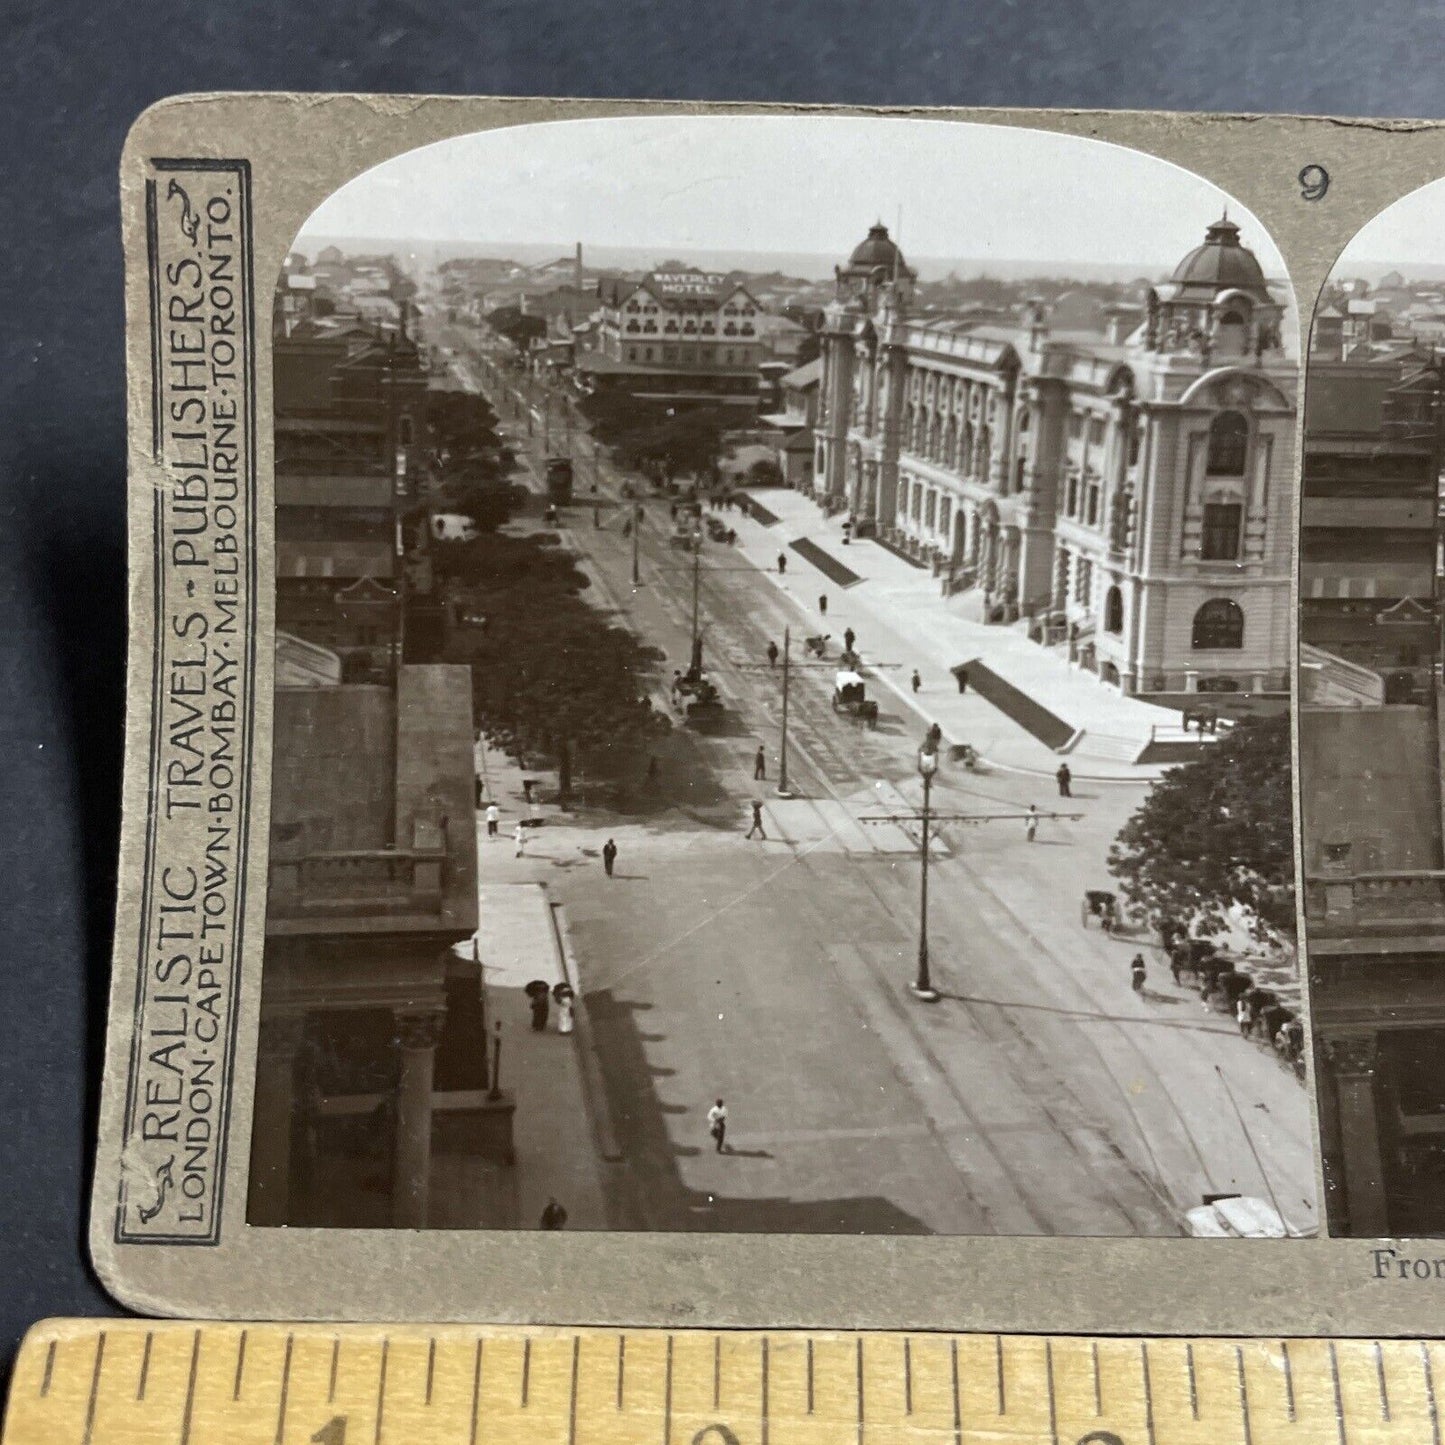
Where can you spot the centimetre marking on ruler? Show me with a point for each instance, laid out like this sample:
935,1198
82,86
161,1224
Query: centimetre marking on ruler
1349,1371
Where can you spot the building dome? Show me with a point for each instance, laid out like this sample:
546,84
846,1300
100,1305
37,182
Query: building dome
877,249
1221,263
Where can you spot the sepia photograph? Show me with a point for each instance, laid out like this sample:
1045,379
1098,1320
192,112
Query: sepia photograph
1370,740
783,638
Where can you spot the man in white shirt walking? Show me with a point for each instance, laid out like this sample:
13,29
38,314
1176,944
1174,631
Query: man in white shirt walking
494,817
717,1123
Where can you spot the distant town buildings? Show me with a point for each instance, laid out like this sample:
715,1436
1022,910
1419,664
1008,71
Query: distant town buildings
1130,488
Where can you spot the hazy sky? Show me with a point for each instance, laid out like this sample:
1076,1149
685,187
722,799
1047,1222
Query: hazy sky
1409,233
792,184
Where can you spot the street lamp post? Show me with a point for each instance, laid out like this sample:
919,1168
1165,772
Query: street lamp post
495,1092
923,985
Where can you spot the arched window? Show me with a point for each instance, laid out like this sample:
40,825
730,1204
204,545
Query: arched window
1113,610
1231,333
1228,443
1218,624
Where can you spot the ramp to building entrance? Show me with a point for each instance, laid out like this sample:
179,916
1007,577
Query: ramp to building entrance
1033,717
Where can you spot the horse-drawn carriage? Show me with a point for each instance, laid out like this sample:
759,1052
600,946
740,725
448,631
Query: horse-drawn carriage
850,695
1100,905
696,697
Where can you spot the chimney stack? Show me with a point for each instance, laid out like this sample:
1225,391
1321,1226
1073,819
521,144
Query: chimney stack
1038,322
577,269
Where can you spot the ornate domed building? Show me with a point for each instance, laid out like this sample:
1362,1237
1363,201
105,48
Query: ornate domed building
1126,493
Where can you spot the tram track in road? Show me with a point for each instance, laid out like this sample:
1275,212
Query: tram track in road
833,759
833,775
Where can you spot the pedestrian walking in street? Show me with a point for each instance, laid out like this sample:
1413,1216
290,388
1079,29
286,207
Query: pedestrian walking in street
782,564
609,855
916,680
1031,823
772,654
494,819
717,1124
823,604
553,1216
1065,777
757,826
760,765
961,673
541,1005
1243,1017
1136,973
519,837
849,638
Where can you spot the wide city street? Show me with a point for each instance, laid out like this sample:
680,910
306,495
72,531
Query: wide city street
1038,1095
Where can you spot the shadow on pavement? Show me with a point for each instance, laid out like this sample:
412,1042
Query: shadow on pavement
651,1156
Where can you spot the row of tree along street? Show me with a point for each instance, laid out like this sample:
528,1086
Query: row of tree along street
551,676
1209,848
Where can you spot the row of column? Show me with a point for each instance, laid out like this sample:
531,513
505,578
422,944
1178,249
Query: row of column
277,1125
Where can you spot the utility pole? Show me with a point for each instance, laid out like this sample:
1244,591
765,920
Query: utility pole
922,986
696,668
783,790
636,542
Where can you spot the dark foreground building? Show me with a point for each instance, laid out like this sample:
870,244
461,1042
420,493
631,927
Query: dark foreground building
372,1047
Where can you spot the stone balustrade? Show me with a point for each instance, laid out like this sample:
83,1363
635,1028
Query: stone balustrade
360,882
1374,899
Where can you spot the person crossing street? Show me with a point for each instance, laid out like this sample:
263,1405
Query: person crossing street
757,825
609,856
717,1125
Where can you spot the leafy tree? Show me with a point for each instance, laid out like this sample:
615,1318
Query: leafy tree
687,442
488,501
549,673
1217,834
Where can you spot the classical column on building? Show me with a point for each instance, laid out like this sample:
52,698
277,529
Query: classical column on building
1001,435
835,397
990,563
1008,572
1352,1063
1121,496
273,1110
1063,564
892,391
418,1032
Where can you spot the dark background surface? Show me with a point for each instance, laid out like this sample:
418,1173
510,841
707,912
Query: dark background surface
78,74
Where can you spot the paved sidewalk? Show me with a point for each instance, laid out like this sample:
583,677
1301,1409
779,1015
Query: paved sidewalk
899,617
560,1129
